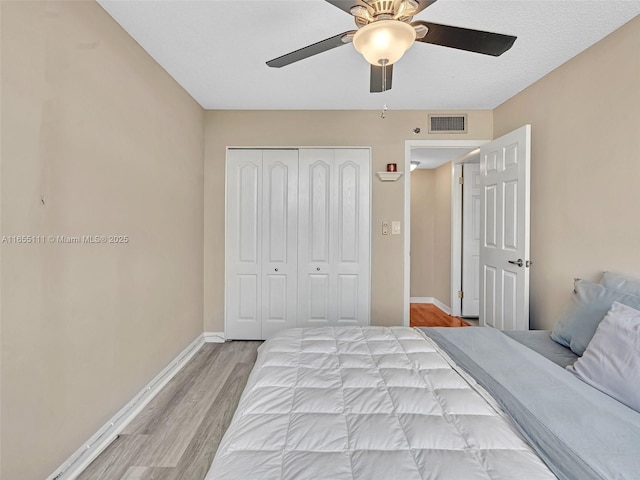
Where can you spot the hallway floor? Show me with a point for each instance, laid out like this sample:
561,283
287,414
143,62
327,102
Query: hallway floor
428,315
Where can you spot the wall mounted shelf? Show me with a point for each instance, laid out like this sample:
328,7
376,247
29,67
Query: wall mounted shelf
389,176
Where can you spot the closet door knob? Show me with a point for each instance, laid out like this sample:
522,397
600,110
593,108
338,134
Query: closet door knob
318,268
276,269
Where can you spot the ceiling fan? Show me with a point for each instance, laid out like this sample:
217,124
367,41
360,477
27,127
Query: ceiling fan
385,31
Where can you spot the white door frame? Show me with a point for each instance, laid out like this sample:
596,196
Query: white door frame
299,147
455,207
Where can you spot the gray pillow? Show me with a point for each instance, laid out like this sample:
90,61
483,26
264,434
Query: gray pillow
622,283
611,362
589,304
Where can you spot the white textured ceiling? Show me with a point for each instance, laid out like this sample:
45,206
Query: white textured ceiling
217,51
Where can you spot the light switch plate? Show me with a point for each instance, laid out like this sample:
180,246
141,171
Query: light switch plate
395,227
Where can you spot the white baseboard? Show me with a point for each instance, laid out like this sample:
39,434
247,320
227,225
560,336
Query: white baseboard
421,300
214,337
81,459
441,306
432,300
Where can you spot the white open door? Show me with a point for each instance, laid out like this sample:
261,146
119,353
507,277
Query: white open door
504,231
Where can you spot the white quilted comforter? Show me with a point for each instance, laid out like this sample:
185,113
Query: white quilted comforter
366,403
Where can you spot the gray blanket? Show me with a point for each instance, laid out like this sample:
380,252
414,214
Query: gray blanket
580,432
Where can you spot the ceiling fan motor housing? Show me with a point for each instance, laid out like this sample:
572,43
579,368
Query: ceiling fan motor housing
402,10
383,6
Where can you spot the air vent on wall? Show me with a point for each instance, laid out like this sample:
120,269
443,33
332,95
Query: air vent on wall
447,124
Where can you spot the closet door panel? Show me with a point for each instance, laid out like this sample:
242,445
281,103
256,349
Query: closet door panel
315,217
274,299
279,240
319,211
243,244
348,213
318,300
352,236
347,294
247,298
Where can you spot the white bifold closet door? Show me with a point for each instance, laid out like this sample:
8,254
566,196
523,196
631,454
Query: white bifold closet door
333,237
261,248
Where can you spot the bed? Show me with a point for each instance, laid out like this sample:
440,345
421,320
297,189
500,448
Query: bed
430,403
448,403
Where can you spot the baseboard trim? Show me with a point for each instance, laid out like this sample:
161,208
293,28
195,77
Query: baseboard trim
81,459
432,300
441,306
421,300
214,337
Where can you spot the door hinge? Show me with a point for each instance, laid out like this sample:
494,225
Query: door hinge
461,180
460,294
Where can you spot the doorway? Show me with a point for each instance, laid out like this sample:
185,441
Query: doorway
465,236
457,152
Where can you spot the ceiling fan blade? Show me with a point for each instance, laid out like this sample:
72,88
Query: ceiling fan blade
347,5
311,50
381,78
477,41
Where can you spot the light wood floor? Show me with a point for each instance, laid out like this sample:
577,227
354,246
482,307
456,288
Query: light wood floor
177,434
428,315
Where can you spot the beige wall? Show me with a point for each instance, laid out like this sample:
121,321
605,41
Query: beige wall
320,128
585,168
422,232
442,243
431,233
91,124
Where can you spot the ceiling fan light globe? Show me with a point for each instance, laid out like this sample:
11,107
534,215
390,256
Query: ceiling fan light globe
385,41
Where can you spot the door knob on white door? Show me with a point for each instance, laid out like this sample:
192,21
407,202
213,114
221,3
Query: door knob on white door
518,262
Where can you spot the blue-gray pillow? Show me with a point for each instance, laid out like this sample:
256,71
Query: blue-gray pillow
611,362
589,304
622,283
